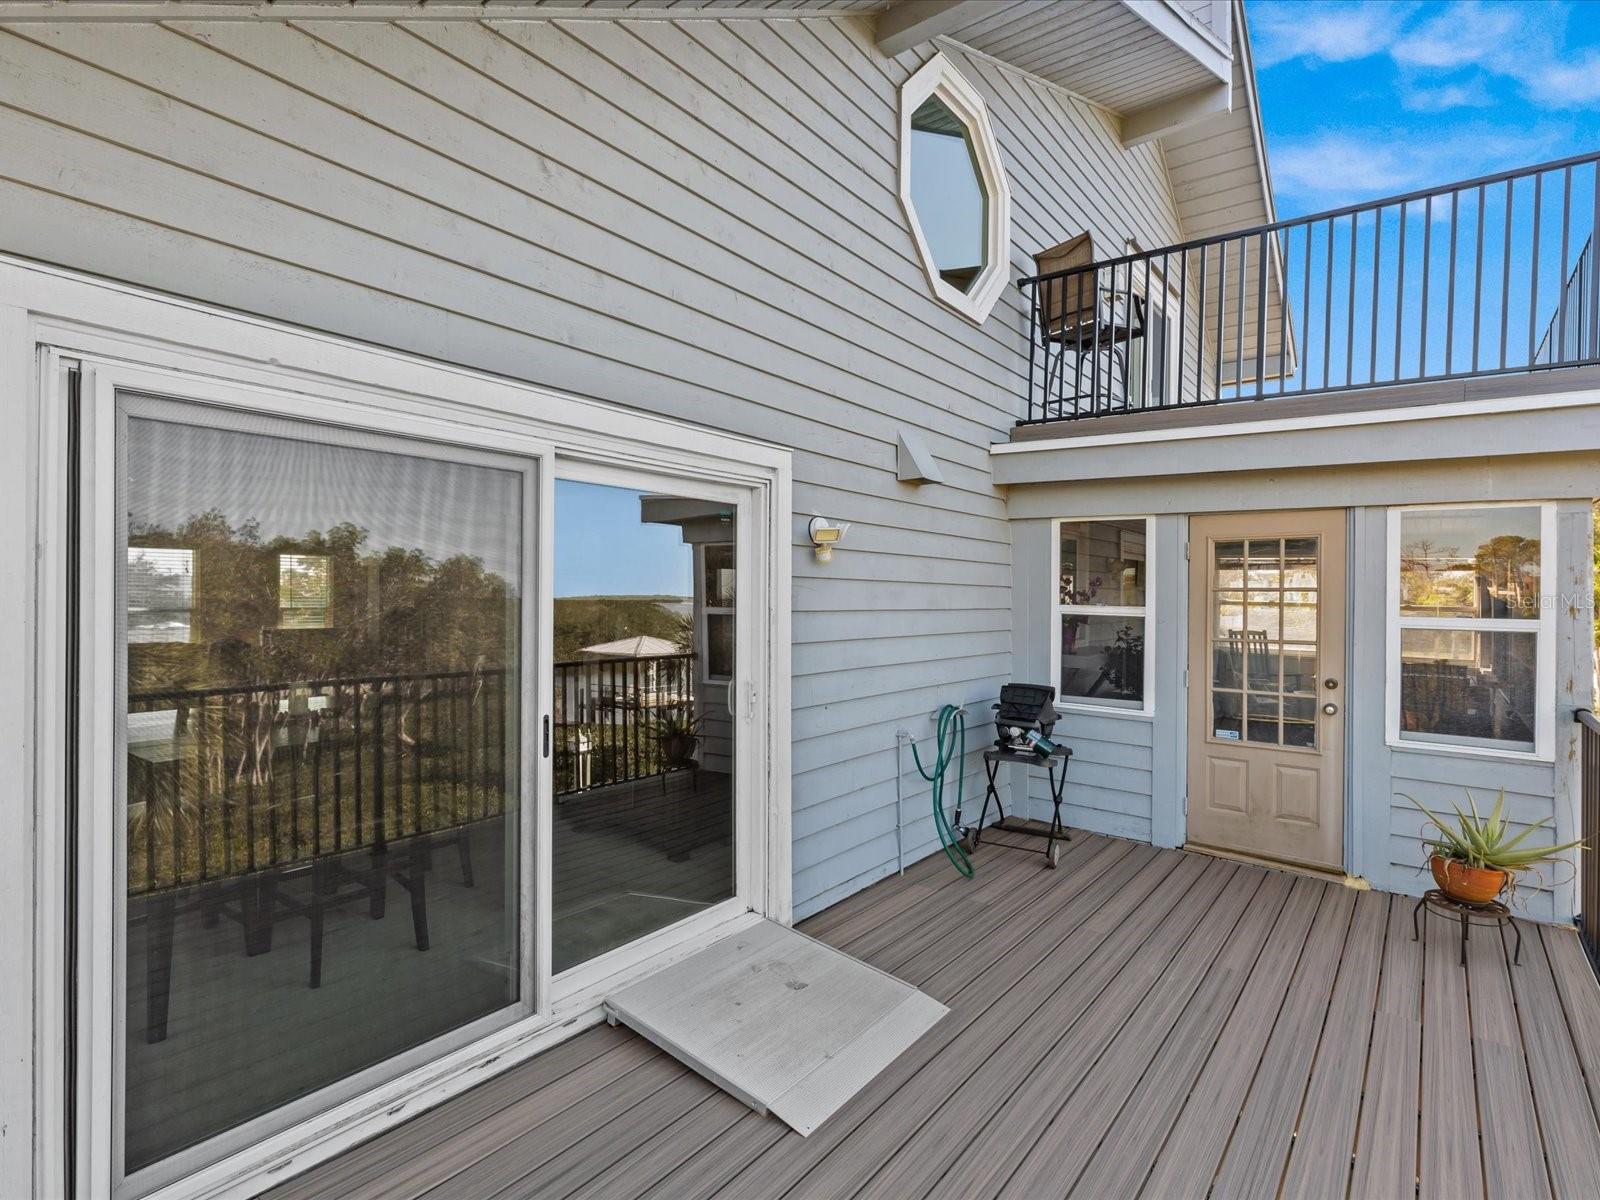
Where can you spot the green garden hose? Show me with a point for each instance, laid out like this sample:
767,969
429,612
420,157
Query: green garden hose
950,743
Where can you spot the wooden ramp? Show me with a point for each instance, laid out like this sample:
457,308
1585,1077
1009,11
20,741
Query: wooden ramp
781,1021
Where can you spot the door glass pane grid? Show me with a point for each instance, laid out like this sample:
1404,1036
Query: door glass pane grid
1264,602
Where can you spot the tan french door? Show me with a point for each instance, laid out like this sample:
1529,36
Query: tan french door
1266,685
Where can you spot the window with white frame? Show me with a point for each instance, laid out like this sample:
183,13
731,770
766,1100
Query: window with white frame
303,591
717,584
953,188
1470,636
160,585
1098,632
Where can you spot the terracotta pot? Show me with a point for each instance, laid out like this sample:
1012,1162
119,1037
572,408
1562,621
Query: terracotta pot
1470,885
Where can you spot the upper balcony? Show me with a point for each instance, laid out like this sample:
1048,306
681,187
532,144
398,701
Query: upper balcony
1487,277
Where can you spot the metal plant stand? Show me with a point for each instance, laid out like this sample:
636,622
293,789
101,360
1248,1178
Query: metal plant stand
1492,913
1056,834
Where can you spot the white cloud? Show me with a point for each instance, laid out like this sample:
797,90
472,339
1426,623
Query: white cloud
1355,166
1474,93
1330,32
1468,33
1573,84
1523,43
1330,170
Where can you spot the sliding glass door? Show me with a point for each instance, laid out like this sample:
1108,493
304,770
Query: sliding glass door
396,741
324,791
645,780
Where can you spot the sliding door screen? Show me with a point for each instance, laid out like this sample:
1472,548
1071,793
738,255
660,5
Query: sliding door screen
320,796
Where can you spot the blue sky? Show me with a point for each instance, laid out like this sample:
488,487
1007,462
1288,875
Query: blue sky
603,549
1369,98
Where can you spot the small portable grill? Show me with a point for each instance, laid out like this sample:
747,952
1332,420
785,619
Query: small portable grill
1025,717
1023,722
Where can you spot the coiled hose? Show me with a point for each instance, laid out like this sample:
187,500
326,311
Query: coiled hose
950,746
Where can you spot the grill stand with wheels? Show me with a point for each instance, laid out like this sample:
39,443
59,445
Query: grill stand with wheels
972,835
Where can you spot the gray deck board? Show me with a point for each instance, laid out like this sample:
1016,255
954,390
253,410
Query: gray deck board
1561,1102
1189,1161
1513,1158
1130,1149
1319,1161
985,966
1575,981
1051,1155
1386,1134
1449,1164
1264,1136
1139,1023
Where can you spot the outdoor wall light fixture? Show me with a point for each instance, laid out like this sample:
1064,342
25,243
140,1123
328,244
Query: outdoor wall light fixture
825,534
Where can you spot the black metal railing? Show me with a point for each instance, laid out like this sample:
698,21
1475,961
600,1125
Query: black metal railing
618,720
1589,831
227,781
1488,276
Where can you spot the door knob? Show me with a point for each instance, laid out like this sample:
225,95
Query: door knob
1330,709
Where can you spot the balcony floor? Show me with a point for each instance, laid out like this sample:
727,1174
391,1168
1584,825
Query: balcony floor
1141,1022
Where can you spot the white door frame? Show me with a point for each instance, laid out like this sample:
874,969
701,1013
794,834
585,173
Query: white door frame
50,317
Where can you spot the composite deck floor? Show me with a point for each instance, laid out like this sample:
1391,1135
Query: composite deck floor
1141,1022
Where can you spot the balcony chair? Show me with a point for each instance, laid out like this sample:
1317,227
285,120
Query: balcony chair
1077,316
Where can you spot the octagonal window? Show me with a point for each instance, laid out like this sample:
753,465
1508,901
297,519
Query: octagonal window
947,193
953,188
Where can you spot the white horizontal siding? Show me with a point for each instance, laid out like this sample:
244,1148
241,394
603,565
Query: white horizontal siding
699,219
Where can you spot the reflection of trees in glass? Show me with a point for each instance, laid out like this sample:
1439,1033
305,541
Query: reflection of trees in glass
382,611
1509,567
591,620
1124,663
1442,578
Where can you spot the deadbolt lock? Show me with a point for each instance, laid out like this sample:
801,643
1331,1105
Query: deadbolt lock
1330,683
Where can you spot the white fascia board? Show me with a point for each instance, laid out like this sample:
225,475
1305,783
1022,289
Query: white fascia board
1182,32
1376,416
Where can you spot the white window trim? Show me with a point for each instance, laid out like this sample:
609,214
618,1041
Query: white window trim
1543,627
939,77
1057,610
133,337
702,622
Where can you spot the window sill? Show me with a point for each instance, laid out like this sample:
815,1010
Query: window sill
1104,710
1532,757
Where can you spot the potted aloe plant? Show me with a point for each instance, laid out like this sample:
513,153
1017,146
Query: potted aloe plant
1476,859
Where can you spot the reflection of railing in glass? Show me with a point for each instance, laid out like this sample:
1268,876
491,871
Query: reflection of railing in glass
230,780
623,719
